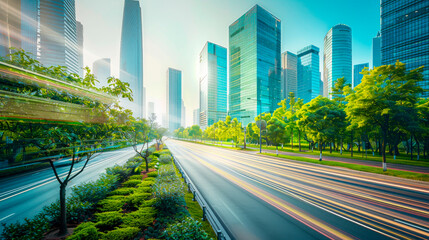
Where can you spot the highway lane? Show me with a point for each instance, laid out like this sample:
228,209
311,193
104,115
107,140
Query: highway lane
24,195
261,197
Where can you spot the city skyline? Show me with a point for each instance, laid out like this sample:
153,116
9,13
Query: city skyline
295,15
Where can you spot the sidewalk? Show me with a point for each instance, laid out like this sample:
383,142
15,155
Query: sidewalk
393,166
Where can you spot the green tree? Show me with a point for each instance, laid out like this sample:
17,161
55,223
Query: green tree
276,130
385,98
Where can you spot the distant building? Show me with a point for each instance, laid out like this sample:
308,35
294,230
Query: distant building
376,51
213,84
10,26
144,104
308,73
254,64
289,74
174,98
79,35
196,115
337,57
150,108
357,77
58,36
405,35
101,70
183,120
131,60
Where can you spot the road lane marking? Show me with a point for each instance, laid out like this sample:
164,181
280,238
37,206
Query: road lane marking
7,217
412,225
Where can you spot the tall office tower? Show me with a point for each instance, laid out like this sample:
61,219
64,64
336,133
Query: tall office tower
144,104
376,51
101,70
79,35
254,64
174,98
357,77
10,26
213,84
337,57
29,25
58,40
196,115
183,120
405,35
289,74
131,62
308,73
150,108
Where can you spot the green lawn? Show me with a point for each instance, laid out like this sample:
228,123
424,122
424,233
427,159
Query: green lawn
395,173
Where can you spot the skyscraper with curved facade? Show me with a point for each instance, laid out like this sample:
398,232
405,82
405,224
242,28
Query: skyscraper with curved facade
337,57
131,62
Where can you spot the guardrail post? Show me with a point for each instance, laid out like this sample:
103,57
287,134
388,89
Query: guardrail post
193,199
189,187
219,234
204,213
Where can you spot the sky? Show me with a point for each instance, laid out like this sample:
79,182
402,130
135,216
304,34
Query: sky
175,31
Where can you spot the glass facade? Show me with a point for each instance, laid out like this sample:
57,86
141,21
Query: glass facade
289,74
376,51
213,84
308,73
58,38
357,76
337,57
174,98
405,35
10,26
29,25
79,35
131,61
255,64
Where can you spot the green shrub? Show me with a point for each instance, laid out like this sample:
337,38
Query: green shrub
85,231
141,218
131,183
122,191
146,183
31,229
165,151
107,221
127,233
157,153
187,229
169,194
165,159
149,179
121,172
143,190
77,211
152,174
136,199
149,203
94,191
136,177
111,204
166,170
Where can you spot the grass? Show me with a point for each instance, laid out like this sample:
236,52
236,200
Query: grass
395,173
346,154
214,145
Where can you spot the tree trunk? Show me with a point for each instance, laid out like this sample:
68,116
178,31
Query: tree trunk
320,148
418,150
63,217
299,139
411,146
384,151
330,147
341,145
292,137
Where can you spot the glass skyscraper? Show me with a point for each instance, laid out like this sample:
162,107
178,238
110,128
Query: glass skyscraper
376,51
308,73
213,84
10,26
254,64
131,62
405,35
29,25
337,57
58,38
289,74
357,76
174,98
79,35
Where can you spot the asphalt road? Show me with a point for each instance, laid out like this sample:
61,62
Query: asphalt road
261,197
24,195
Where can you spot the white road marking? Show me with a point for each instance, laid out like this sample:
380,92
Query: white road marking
7,216
412,225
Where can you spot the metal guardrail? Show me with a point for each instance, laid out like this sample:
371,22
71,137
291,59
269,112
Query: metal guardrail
208,214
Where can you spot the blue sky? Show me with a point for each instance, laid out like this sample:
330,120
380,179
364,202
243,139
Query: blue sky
175,31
